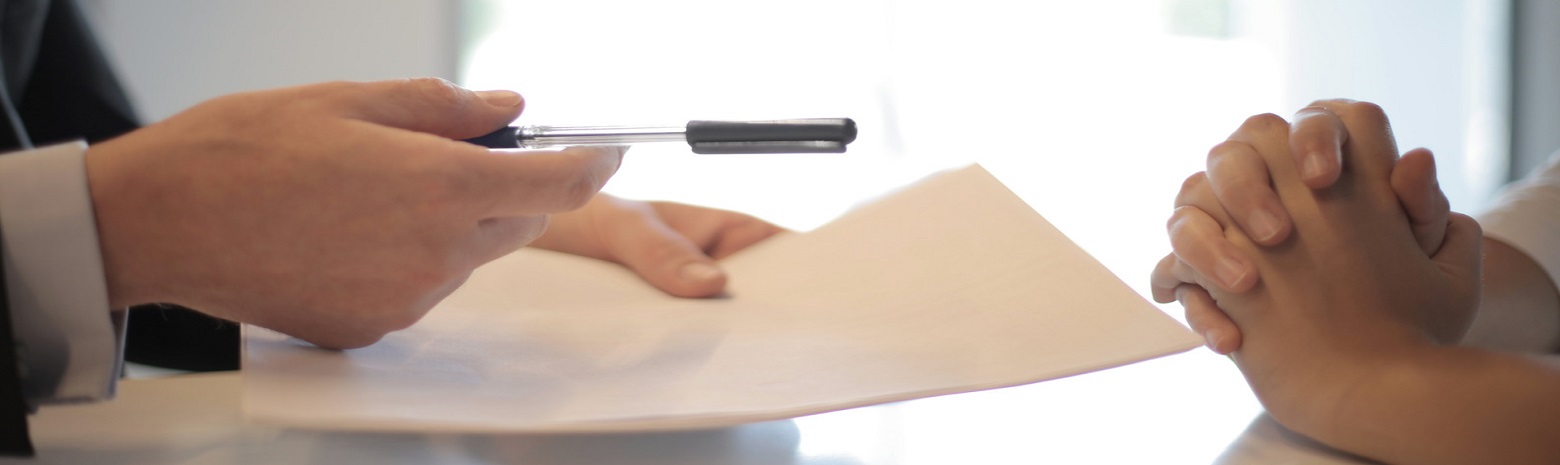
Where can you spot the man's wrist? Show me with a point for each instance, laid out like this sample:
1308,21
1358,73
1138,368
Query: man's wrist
127,285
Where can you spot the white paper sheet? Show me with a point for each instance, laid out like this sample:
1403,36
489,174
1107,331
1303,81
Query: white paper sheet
950,285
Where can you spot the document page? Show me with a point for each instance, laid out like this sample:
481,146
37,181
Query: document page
950,285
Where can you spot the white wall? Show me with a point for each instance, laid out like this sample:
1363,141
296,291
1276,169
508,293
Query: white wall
1440,69
1536,108
175,53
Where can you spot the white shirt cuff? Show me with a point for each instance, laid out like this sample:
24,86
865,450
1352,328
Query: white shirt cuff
1526,216
69,345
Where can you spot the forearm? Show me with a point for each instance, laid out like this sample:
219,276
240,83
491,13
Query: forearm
1450,405
1520,308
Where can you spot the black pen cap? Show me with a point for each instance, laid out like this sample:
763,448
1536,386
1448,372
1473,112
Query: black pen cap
812,135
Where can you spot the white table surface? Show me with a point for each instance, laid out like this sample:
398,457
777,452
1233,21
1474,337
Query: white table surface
1186,408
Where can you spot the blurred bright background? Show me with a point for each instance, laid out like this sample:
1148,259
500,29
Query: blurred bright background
1093,111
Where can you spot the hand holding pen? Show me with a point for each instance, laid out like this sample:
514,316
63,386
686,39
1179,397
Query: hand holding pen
812,135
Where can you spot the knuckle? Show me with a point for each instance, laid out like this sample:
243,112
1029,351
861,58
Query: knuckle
328,88
1365,109
332,93
1163,278
514,232
1331,102
528,228
425,279
1367,112
1474,228
1239,190
337,86
1178,220
1191,189
1229,150
437,90
1314,109
578,192
1194,182
1265,122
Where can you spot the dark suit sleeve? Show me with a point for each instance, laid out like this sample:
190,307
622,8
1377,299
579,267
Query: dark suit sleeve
56,85
17,26
71,92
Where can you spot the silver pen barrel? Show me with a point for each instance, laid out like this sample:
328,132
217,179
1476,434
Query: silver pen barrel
532,137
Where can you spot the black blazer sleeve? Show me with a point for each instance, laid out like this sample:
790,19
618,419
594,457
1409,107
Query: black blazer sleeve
18,25
60,86
55,85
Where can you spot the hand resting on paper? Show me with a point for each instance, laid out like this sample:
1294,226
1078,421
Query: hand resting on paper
672,246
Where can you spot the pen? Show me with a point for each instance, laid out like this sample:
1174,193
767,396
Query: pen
809,135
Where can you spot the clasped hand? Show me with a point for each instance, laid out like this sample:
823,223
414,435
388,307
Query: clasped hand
1316,255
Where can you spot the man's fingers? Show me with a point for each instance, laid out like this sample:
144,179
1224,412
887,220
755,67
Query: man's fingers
1204,316
1316,139
720,232
430,105
1200,243
497,237
1414,182
742,235
1239,178
665,258
518,183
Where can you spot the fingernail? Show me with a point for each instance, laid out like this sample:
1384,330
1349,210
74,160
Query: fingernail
500,98
1231,272
1264,225
699,272
1212,338
1315,165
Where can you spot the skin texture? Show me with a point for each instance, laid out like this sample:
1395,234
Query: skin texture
334,212
674,247
1239,178
1349,336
